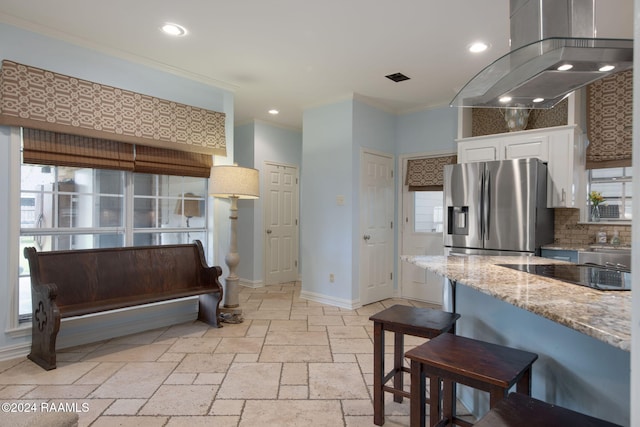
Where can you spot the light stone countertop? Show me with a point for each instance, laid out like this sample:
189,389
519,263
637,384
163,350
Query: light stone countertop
603,315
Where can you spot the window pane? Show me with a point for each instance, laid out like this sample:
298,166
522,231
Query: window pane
111,211
144,213
428,211
34,177
616,187
168,238
144,184
607,173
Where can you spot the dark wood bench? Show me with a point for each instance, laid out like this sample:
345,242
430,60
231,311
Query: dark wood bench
79,282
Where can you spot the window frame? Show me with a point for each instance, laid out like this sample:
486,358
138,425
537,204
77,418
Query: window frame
127,229
415,213
626,180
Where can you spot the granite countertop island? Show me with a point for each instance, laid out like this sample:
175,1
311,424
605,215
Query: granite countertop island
604,315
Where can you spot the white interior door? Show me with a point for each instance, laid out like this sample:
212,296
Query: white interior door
421,235
376,219
281,223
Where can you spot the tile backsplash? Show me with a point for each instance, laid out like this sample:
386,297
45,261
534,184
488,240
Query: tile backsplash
568,230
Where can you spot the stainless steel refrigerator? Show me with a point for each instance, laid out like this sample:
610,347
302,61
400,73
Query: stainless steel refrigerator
497,208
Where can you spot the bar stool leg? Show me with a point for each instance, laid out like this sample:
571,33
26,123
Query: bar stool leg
435,400
378,374
496,394
417,406
398,356
448,401
524,384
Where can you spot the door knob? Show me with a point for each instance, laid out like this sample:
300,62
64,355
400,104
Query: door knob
268,231
366,237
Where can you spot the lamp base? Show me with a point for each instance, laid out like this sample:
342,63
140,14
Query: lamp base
230,310
231,315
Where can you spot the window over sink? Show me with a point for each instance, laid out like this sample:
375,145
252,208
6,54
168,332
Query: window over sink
615,186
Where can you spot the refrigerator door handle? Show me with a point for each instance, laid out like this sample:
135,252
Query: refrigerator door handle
481,206
486,209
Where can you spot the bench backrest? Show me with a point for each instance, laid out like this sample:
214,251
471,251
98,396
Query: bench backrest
96,275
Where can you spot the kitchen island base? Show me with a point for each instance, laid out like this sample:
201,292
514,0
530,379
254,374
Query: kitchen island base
574,371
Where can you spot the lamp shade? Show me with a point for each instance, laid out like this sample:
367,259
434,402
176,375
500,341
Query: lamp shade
234,181
191,207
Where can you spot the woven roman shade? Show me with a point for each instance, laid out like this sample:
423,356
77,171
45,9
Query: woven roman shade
42,147
50,148
34,98
609,121
426,174
172,162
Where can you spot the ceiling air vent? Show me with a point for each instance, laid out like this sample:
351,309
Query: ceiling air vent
397,77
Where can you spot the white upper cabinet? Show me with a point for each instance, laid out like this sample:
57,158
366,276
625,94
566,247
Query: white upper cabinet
508,146
561,147
567,175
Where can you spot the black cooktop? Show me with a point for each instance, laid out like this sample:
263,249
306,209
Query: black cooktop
592,276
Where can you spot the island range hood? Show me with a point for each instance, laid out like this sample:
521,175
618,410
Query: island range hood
554,51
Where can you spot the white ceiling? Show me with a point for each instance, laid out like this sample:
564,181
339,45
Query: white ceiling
290,54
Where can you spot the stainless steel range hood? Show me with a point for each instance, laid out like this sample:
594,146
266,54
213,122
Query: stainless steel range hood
545,35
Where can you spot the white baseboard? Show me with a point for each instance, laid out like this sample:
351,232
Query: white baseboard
329,300
253,284
15,351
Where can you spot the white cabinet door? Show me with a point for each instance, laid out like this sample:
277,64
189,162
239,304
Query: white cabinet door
473,151
526,148
566,185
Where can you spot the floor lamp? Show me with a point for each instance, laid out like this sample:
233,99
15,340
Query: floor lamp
233,182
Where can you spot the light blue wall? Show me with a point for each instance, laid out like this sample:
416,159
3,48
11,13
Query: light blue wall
428,130
243,145
40,51
277,144
326,229
334,138
255,144
244,155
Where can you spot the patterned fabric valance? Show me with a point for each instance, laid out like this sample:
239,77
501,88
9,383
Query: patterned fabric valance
39,99
426,174
609,120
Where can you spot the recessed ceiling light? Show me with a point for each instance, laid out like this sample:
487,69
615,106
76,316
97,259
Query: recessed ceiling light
505,99
273,112
478,47
606,68
174,29
565,67
536,100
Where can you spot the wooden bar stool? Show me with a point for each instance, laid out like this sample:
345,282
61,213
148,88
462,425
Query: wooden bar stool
518,410
401,319
454,359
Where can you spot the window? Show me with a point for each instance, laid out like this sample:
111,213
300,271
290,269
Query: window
615,186
82,208
428,211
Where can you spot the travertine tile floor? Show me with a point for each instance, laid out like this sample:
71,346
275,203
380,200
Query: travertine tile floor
291,362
